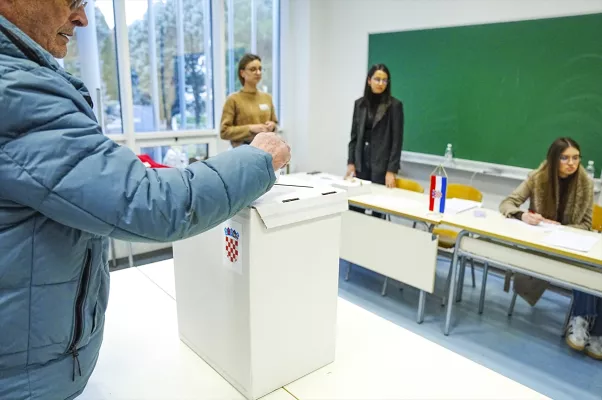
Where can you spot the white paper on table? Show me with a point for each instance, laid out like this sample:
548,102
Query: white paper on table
542,227
456,206
571,240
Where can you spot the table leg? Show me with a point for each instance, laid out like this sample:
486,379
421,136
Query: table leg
452,283
421,304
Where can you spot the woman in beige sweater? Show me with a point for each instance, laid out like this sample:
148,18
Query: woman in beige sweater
560,192
248,111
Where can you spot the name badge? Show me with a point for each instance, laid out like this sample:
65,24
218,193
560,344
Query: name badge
264,107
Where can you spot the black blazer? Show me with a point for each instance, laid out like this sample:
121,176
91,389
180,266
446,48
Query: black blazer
386,137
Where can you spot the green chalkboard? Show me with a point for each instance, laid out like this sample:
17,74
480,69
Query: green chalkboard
501,92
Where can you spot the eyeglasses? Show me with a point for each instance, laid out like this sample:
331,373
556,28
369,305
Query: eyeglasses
254,69
76,4
379,80
567,159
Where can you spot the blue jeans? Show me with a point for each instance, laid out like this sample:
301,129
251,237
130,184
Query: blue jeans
589,307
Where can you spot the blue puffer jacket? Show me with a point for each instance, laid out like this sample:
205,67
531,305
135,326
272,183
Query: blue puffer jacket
64,188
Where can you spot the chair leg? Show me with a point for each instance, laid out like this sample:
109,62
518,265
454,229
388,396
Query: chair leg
512,303
348,270
472,272
384,291
567,319
460,289
483,287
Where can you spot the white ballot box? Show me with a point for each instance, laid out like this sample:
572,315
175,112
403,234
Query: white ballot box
257,295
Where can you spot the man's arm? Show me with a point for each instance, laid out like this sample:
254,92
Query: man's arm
53,158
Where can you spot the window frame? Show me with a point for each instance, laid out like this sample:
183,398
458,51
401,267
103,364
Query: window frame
216,42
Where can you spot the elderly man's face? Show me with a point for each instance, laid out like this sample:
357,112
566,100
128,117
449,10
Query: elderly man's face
51,23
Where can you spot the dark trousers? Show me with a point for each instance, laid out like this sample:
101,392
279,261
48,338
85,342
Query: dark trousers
589,307
366,174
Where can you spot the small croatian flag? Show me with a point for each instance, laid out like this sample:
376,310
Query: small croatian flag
437,193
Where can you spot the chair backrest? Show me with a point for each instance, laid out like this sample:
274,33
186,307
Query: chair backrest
597,218
409,184
465,192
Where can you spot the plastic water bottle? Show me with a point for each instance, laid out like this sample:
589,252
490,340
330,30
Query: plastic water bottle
449,155
591,170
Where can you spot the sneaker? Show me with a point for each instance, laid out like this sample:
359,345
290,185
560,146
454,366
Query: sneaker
594,348
577,333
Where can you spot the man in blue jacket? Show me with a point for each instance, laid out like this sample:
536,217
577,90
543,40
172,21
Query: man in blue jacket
65,188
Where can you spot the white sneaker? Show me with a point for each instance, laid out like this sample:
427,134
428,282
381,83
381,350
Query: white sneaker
577,333
594,347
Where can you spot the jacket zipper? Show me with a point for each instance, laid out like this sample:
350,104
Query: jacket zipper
79,311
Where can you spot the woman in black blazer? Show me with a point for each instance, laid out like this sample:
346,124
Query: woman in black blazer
376,131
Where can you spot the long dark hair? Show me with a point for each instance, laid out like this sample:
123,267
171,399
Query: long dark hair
368,94
244,61
552,165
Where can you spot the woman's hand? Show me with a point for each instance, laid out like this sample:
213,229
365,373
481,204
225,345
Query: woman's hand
532,218
271,126
350,171
390,180
258,128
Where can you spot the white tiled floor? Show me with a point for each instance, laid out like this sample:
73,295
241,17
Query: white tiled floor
142,357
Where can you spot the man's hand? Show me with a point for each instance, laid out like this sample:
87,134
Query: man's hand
271,126
390,180
532,218
258,128
275,146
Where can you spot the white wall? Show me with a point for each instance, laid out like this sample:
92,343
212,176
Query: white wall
327,56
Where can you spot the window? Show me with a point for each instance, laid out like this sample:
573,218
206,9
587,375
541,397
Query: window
170,59
177,156
104,53
250,28
170,73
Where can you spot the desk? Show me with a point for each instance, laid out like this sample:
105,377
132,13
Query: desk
518,247
408,255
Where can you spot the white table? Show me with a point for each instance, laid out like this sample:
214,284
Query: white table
518,247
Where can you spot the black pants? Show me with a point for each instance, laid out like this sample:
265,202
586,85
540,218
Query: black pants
366,174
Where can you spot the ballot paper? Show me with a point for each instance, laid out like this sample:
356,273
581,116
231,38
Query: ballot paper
456,206
541,227
572,240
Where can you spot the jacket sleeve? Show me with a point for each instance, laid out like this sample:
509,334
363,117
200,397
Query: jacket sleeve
54,159
227,130
511,204
397,137
353,140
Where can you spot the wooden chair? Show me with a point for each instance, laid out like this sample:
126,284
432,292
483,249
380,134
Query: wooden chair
597,218
408,184
447,237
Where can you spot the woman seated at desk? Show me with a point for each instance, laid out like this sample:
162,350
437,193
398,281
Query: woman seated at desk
561,192
249,111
